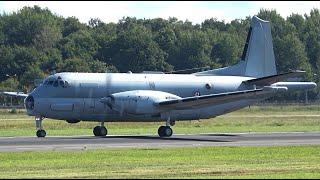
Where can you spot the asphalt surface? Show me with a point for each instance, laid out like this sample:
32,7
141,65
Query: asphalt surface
61,143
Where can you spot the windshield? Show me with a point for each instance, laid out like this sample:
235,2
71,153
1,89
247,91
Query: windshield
55,82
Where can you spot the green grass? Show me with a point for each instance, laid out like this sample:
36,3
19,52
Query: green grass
200,162
253,119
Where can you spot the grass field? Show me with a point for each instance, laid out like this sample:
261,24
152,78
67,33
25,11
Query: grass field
205,162
253,119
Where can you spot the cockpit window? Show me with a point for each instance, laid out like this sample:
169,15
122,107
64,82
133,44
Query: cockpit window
66,84
56,82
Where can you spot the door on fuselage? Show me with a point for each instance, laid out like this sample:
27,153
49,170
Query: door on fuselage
87,91
89,105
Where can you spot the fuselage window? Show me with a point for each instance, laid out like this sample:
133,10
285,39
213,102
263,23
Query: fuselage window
55,84
66,84
61,83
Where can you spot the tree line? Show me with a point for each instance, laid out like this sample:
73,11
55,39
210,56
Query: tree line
34,43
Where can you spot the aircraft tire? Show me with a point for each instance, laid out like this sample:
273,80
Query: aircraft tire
103,131
161,131
41,133
168,131
100,131
165,131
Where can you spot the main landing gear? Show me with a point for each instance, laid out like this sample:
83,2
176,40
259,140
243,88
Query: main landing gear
100,130
40,131
166,131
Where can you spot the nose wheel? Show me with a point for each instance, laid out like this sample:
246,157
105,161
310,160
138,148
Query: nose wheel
41,133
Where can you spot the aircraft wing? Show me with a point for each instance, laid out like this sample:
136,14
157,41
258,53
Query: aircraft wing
215,99
268,80
17,94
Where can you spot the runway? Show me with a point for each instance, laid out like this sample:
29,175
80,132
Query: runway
61,143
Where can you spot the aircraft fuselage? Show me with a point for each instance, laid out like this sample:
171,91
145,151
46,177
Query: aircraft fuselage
78,96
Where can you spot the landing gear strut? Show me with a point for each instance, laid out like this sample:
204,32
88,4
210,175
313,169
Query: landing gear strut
166,131
40,132
100,130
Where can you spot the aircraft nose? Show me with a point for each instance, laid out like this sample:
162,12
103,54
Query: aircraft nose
29,103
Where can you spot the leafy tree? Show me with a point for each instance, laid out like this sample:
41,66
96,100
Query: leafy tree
97,66
25,26
14,60
50,60
299,23
10,84
47,37
226,51
290,55
27,80
79,44
72,25
312,39
74,64
193,50
136,51
213,23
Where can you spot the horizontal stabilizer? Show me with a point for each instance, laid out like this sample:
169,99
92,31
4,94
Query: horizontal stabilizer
215,99
296,85
268,80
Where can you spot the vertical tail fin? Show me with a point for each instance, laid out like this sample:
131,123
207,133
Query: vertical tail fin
258,51
257,59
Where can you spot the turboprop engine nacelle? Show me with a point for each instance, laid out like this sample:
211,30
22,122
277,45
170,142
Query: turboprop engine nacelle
137,101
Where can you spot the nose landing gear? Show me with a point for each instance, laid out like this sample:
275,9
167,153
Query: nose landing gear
40,132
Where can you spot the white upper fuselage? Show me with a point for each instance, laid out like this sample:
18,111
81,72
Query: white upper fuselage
103,84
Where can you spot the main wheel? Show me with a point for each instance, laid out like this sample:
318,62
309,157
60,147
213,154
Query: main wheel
100,131
161,130
41,133
165,131
168,131
103,131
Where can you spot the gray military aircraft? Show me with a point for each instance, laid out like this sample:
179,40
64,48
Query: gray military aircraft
156,96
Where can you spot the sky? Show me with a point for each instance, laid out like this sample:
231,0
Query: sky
194,11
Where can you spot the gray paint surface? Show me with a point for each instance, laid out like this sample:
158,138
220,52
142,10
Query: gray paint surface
62,143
